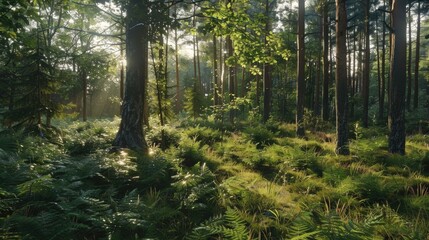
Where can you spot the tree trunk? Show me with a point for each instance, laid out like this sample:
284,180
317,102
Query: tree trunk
84,93
354,78
176,56
377,45
383,73
122,71
130,133
341,79
300,98
268,82
365,79
417,64
325,94
232,79
215,74
398,78
410,47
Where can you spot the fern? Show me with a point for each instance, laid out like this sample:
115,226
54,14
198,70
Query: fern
229,226
329,225
207,229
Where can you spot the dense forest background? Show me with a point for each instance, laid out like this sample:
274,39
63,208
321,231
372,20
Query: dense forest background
229,119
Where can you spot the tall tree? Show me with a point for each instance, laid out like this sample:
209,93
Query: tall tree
381,87
130,133
341,79
366,68
268,82
325,94
300,71
397,77
410,47
417,62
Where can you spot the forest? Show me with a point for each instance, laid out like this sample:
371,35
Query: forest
214,119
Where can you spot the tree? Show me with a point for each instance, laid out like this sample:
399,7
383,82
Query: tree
300,71
417,57
326,73
268,82
130,133
366,68
341,79
397,78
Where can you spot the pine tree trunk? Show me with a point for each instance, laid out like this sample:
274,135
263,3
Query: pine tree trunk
377,45
325,94
300,132
215,74
417,64
84,93
268,84
398,78
176,56
383,73
365,79
341,79
410,47
232,79
130,134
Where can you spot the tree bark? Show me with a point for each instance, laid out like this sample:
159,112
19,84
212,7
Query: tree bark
410,47
341,79
325,94
84,93
398,78
130,133
232,79
365,79
300,98
268,82
417,64
383,73
176,56
215,74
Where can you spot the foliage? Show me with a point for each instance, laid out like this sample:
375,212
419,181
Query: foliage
204,135
164,137
260,136
290,189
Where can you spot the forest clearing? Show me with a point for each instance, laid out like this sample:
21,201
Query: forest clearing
226,119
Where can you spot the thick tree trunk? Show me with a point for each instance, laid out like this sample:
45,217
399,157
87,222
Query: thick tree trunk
300,98
341,79
130,134
398,78
325,94
417,64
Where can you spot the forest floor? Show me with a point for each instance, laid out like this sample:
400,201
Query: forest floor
210,181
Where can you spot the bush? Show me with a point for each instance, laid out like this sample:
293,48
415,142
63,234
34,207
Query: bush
260,136
205,135
164,137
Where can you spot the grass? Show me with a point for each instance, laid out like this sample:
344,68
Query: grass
207,182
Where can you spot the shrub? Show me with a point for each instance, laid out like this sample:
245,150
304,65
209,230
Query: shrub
260,136
205,135
164,137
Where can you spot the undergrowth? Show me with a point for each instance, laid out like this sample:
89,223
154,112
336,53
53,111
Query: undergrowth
203,181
